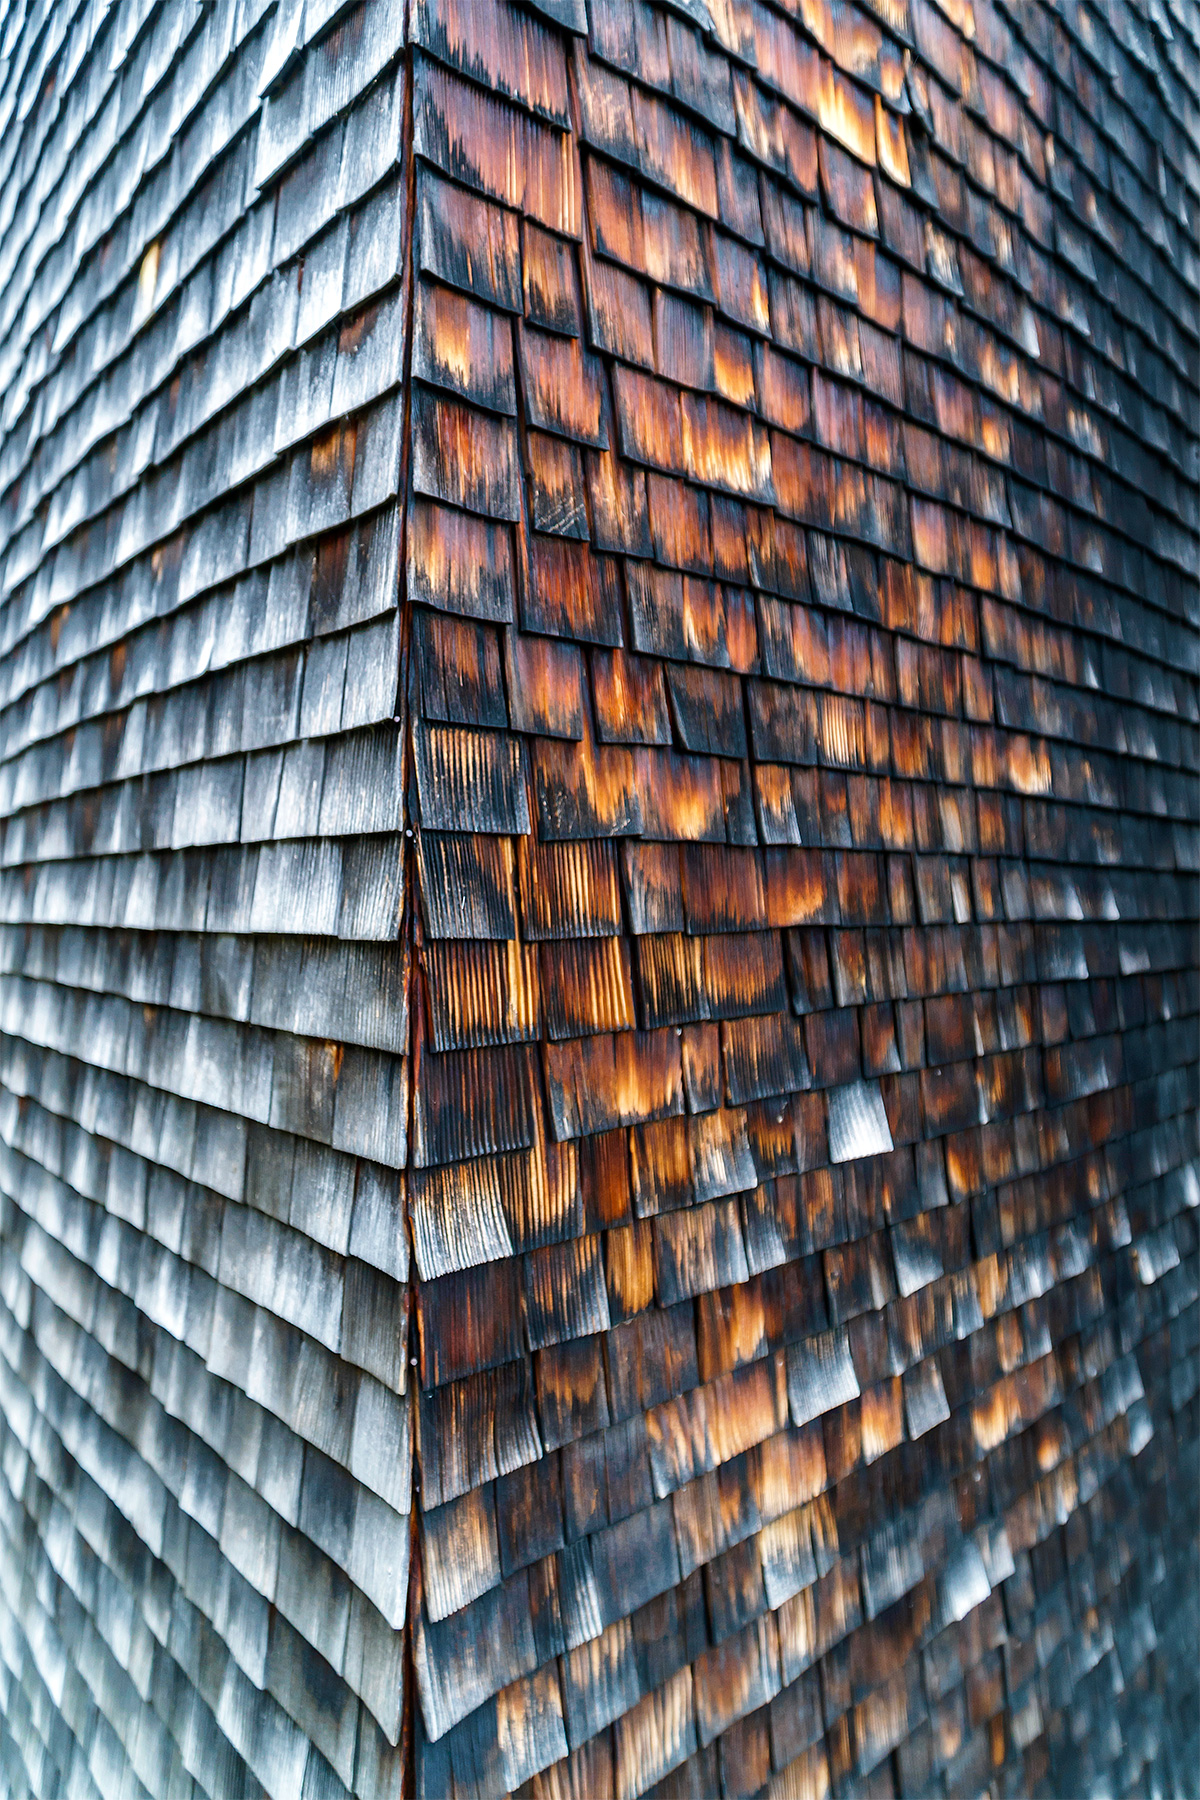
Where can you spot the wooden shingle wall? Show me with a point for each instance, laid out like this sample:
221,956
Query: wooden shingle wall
599,735
205,1511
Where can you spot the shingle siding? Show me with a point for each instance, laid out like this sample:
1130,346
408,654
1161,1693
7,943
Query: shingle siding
599,735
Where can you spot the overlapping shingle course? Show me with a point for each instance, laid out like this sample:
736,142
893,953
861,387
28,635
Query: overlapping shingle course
598,833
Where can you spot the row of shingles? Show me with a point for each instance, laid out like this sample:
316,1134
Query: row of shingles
161,254
780,1721
965,142
333,548
51,120
1127,170
188,1396
135,1707
1149,1266
33,1746
471,1102
384,1252
535,503
90,181
104,1704
387,1702
992,71
1097,62
385,708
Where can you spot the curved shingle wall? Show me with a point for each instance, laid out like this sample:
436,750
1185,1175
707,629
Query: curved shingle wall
599,735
